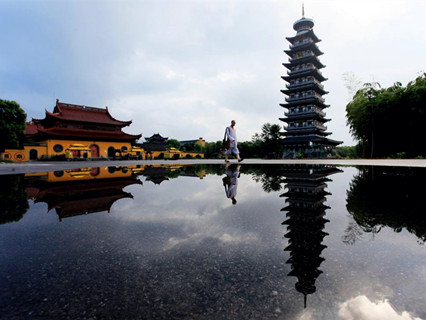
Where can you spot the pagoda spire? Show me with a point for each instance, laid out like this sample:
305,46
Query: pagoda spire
303,10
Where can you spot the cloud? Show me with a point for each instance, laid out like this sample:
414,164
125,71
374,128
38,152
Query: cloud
362,308
163,63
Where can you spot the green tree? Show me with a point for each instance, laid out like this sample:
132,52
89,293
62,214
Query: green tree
271,137
198,147
388,122
173,143
12,125
213,150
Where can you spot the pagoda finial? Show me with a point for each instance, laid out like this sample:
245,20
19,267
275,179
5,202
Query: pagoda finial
303,10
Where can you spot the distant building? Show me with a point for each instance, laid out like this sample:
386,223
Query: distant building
200,141
156,148
305,133
155,143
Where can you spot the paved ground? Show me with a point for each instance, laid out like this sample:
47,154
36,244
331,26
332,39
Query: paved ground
39,166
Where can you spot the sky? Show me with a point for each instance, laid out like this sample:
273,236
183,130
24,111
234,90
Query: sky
185,69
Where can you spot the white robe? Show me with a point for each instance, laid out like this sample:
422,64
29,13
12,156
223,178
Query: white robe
231,134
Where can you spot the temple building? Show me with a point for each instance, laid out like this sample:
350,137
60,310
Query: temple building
75,131
156,147
305,130
156,143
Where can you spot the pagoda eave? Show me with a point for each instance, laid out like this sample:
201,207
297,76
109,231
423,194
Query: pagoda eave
294,140
299,35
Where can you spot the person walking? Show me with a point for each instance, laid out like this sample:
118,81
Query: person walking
231,135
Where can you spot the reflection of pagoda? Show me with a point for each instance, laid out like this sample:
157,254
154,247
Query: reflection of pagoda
89,192
305,118
305,222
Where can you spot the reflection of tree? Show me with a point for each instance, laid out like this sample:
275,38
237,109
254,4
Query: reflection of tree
13,198
353,232
305,197
270,176
389,196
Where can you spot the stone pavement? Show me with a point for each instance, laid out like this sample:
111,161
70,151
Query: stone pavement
40,166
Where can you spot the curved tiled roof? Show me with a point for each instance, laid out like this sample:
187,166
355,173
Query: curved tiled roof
30,129
80,113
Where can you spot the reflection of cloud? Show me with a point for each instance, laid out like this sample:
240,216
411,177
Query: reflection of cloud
182,205
305,315
362,308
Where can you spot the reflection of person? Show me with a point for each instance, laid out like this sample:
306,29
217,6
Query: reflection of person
230,182
231,135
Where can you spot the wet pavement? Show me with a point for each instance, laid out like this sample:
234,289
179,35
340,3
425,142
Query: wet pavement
40,166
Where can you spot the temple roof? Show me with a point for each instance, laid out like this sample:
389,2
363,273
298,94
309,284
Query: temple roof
30,129
68,121
81,113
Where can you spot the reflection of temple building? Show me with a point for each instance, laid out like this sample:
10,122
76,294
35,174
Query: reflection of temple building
81,191
305,211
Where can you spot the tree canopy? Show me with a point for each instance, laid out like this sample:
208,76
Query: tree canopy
389,121
173,143
12,125
270,140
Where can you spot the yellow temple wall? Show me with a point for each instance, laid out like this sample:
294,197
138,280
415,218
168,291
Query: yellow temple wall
47,149
102,145
22,155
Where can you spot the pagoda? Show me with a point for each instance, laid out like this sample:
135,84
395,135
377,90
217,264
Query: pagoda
305,132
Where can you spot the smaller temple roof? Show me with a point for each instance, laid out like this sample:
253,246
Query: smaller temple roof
156,137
